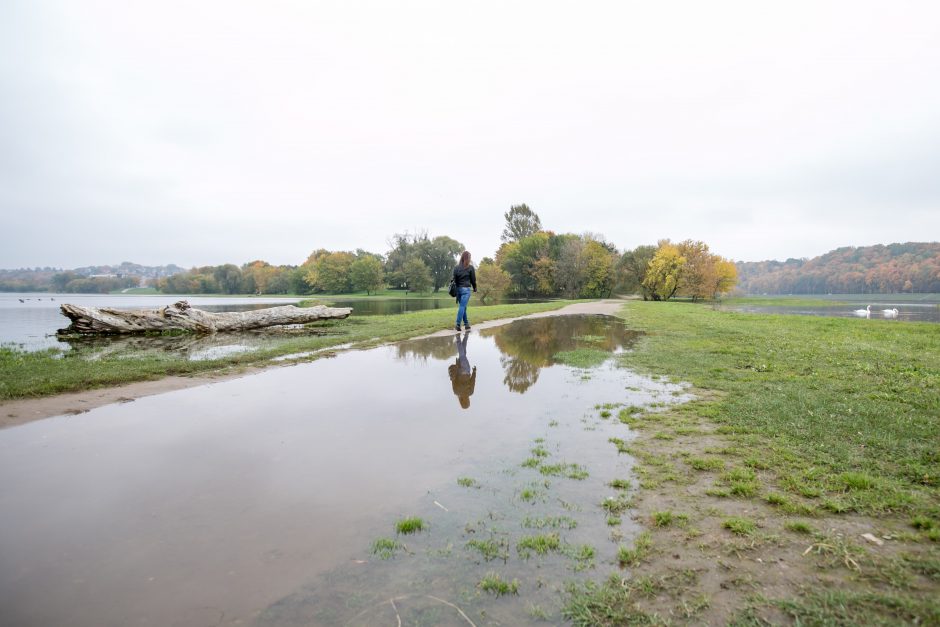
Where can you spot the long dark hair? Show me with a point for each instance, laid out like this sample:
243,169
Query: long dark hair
465,259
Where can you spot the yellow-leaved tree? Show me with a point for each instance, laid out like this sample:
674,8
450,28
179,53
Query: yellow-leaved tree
664,273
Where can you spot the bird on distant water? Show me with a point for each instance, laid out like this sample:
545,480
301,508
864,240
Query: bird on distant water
21,300
890,313
863,313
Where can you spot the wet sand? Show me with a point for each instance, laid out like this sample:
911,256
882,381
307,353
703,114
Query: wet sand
25,410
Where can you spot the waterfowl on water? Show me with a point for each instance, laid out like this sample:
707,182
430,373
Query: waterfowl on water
890,313
863,312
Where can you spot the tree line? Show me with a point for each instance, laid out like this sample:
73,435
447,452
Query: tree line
885,269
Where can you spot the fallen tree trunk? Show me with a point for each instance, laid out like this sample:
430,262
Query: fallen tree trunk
180,316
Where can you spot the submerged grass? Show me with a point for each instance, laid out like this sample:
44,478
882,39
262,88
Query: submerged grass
41,373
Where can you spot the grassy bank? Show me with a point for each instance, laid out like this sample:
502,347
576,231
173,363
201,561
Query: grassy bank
811,433
31,374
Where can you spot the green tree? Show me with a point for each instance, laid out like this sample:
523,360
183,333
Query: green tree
440,256
599,274
520,222
632,268
367,274
417,276
228,277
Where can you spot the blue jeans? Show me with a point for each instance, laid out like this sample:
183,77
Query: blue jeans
463,297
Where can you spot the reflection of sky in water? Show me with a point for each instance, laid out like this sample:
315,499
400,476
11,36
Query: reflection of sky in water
906,312
258,498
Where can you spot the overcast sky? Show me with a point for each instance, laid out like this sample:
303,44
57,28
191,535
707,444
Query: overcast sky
210,132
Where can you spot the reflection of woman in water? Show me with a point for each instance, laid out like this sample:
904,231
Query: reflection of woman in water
463,378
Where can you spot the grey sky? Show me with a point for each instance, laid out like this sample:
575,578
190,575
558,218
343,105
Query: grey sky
209,132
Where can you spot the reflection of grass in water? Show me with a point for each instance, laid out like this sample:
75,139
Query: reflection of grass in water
595,339
385,547
410,525
540,544
582,357
495,584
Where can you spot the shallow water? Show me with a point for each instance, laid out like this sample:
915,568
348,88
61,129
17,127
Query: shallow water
257,500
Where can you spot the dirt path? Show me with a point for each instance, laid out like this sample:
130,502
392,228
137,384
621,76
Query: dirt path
21,411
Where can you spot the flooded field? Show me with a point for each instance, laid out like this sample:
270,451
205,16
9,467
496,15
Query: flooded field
274,499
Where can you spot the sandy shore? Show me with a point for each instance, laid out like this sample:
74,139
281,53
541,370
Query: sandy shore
21,411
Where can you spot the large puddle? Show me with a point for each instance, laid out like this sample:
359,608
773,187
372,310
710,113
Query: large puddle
260,500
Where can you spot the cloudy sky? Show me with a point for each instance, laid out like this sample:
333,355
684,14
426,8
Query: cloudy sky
205,132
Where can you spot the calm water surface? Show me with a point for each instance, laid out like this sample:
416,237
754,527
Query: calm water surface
907,312
256,501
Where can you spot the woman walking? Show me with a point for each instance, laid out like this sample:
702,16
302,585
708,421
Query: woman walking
465,277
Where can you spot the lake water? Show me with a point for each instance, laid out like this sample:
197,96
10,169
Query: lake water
257,500
909,310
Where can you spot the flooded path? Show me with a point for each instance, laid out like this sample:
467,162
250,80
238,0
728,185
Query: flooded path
258,500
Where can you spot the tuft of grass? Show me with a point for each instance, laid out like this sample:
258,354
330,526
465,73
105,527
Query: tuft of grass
922,522
494,584
410,525
739,526
641,549
582,554
491,549
385,548
540,544
571,471
622,446
706,463
617,504
620,484
539,451
798,526
466,482
613,521
662,519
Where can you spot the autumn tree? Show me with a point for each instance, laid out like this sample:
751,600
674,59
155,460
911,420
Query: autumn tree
632,269
492,281
664,274
520,222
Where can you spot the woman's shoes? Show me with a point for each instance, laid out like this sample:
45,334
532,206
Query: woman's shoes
466,328
457,328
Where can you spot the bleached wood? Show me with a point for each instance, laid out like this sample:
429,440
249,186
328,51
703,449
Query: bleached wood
180,316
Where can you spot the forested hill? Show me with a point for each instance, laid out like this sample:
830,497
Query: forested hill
895,268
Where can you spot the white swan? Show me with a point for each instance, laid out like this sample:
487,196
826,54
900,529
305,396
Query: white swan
890,313
863,313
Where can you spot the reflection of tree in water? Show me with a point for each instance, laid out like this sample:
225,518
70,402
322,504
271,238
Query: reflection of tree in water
441,348
530,345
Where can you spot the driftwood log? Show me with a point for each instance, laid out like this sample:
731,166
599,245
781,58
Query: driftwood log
180,316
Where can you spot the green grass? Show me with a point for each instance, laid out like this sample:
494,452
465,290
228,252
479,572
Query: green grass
410,525
582,357
620,484
539,544
385,548
467,482
631,556
494,584
840,410
739,526
571,471
494,548
41,373
798,526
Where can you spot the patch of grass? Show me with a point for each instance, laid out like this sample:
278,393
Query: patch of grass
662,519
540,544
642,546
549,522
613,521
494,584
571,471
739,526
616,505
494,548
582,357
467,482
706,463
532,462
582,554
622,446
385,548
539,451
410,525
620,484
922,522
843,607
798,526
605,413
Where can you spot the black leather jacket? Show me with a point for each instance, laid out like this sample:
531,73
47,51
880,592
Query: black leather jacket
465,277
